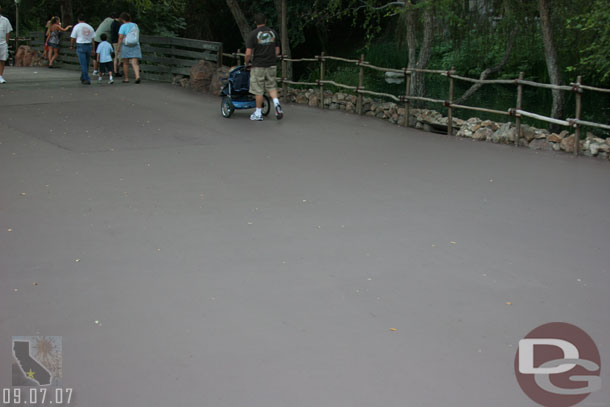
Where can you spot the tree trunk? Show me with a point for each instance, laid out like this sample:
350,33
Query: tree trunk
286,48
198,20
425,51
411,35
67,16
421,60
552,62
240,19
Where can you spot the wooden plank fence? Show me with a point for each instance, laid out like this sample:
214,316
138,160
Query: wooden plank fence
162,57
517,112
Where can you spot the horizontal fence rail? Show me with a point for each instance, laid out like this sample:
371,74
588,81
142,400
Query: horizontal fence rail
577,88
162,57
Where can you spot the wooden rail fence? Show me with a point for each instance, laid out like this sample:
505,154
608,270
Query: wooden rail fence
517,112
162,57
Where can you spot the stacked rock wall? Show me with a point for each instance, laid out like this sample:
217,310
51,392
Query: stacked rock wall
425,119
474,128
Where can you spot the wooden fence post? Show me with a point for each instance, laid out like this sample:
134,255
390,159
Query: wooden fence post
519,103
219,61
238,57
321,79
449,109
578,112
407,94
360,85
284,76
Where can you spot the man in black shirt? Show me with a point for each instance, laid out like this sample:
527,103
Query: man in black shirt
114,40
262,49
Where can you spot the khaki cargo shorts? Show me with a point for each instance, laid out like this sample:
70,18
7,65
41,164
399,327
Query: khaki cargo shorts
262,80
117,51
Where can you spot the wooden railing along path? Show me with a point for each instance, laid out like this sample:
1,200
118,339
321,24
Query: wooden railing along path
162,57
517,112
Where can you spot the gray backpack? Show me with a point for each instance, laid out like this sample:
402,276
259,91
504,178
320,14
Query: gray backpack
132,38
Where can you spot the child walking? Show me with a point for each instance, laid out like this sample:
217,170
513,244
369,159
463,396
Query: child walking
104,58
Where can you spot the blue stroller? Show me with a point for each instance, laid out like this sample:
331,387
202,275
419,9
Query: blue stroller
235,93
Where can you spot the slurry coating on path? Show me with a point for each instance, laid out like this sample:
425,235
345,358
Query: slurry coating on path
187,259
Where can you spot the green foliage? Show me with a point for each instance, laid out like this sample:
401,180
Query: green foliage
593,30
386,53
161,17
155,17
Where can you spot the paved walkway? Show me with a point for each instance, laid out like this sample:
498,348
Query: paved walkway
230,263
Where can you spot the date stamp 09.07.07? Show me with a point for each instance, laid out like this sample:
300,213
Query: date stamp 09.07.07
36,373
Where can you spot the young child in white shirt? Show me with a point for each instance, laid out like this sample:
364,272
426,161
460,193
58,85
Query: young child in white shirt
104,58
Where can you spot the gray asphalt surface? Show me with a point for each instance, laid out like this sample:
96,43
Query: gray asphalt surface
231,263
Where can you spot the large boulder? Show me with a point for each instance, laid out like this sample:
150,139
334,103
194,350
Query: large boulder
555,138
313,101
505,134
201,75
567,143
491,125
464,132
26,56
217,79
482,134
527,132
540,144
176,79
19,55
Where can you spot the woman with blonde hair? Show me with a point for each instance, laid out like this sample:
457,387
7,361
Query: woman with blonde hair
53,35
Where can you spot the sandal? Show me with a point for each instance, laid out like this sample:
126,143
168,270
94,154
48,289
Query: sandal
138,80
125,81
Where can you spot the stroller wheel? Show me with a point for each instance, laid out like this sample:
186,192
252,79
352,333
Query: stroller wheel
266,105
226,107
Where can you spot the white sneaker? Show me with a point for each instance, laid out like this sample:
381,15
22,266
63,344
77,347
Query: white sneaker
2,80
94,72
279,113
256,117
99,78
111,81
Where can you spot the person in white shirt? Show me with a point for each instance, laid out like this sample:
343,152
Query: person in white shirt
5,30
83,35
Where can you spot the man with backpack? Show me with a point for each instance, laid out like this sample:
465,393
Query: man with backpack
262,48
83,35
